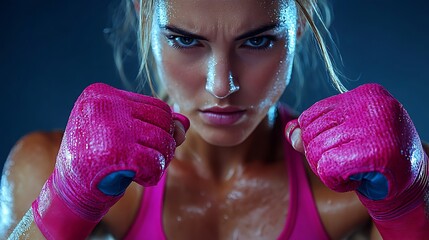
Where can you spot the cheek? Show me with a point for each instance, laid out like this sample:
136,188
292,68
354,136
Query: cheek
176,72
180,76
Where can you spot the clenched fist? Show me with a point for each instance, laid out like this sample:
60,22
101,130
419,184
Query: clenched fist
112,137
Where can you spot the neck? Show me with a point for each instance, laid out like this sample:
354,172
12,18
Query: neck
223,163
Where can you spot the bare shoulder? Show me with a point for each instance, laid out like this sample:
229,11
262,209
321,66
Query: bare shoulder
27,167
30,163
36,148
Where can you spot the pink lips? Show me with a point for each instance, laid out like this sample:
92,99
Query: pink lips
222,116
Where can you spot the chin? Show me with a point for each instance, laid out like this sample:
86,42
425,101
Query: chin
225,142
225,137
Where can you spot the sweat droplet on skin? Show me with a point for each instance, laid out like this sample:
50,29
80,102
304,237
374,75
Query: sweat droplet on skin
286,16
161,18
212,78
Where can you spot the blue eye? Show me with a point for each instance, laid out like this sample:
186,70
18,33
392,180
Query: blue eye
182,41
259,43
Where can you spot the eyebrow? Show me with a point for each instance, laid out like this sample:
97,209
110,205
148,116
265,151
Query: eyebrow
247,34
257,31
183,32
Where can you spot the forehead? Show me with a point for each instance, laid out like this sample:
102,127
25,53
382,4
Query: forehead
215,13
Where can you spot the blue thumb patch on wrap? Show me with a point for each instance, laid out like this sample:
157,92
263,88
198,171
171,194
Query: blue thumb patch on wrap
115,183
373,185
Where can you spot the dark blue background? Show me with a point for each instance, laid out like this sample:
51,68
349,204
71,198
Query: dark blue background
51,50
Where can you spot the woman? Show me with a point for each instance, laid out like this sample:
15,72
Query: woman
223,65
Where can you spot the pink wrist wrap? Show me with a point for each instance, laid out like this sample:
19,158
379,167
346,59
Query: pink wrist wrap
112,137
405,216
364,140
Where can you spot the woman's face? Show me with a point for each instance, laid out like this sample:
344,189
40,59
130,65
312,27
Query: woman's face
224,63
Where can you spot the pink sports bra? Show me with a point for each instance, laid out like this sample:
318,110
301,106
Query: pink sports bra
302,222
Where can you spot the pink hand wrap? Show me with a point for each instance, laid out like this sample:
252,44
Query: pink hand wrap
109,131
366,132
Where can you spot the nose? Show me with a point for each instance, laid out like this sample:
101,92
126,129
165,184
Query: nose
220,81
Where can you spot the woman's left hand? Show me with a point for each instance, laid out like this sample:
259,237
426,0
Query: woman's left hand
361,140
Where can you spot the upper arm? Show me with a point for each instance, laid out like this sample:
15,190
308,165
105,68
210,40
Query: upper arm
26,169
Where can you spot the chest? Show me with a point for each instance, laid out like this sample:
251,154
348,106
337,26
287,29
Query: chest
243,208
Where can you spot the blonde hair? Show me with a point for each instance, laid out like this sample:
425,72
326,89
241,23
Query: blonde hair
137,15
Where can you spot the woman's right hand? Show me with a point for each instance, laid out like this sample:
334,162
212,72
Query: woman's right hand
112,137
